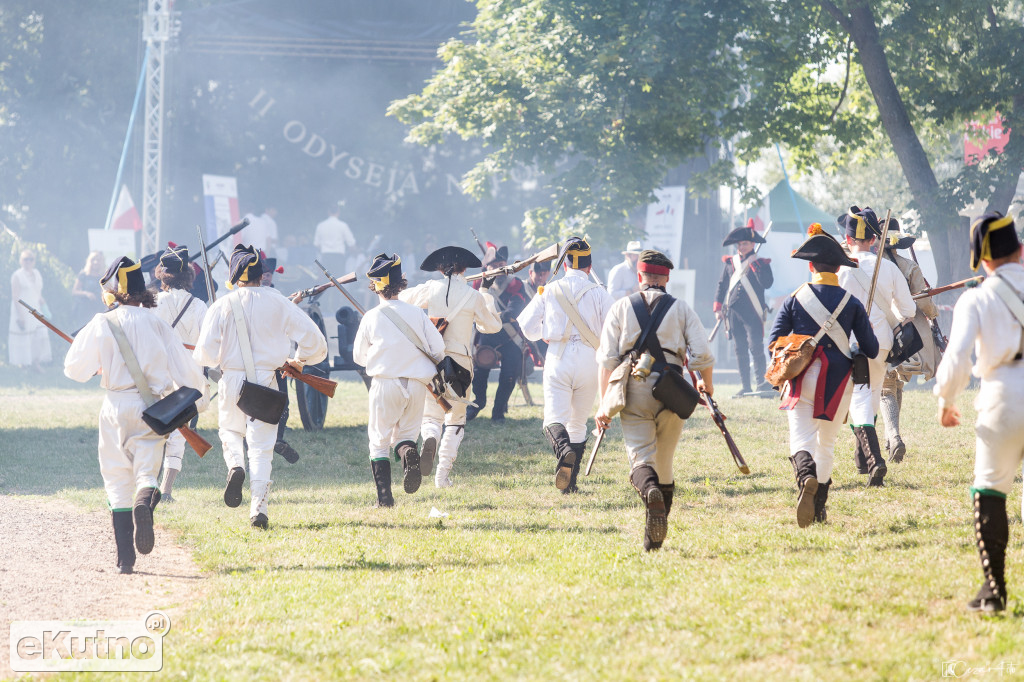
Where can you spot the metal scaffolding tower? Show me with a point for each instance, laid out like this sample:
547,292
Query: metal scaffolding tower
158,28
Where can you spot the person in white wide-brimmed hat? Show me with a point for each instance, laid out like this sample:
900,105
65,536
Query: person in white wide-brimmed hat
622,278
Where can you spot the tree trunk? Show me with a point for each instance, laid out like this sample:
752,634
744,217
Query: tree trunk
946,232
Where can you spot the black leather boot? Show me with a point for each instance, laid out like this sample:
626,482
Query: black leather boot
411,474
991,533
859,457
381,469
142,513
820,498
578,449
807,481
667,493
233,489
868,439
564,452
124,530
645,480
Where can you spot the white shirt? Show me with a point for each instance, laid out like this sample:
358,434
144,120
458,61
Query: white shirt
544,318
891,286
170,303
161,355
680,330
28,286
984,323
259,231
274,323
622,280
385,351
479,314
333,236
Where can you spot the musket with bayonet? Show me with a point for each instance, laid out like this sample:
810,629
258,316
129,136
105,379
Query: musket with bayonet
483,249
549,253
746,266
881,249
234,230
210,291
935,291
198,443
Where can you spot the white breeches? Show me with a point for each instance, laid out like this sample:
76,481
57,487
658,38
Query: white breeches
396,410
129,452
174,451
816,436
570,387
650,432
999,431
235,425
868,397
454,422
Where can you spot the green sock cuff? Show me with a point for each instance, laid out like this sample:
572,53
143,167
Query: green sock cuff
385,458
117,510
986,492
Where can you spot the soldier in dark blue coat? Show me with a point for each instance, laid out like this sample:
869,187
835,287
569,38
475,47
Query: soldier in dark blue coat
740,304
819,398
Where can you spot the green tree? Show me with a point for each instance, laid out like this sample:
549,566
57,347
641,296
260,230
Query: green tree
605,96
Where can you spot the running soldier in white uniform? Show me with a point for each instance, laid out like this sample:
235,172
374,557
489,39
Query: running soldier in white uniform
892,304
568,314
176,306
650,431
256,326
400,348
459,309
129,451
990,321
925,361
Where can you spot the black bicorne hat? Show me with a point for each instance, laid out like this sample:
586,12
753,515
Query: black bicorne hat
821,247
576,252
447,256
124,276
175,259
895,240
495,253
860,223
245,265
385,270
541,266
993,236
744,234
149,263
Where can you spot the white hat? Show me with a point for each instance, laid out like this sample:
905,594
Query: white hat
633,248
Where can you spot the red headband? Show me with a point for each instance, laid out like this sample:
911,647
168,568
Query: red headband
653,269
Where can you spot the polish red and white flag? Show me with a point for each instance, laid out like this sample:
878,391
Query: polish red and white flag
126,216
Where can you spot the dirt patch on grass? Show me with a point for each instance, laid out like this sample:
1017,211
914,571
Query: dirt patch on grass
58,562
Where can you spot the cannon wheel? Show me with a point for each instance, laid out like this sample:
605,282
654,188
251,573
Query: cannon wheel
313,404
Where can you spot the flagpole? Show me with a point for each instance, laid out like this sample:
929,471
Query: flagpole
127,139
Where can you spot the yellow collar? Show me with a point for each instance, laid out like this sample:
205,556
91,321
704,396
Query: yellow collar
825,278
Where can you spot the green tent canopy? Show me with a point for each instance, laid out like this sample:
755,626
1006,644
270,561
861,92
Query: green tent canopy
780,204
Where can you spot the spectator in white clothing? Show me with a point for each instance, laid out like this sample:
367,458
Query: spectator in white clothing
622,279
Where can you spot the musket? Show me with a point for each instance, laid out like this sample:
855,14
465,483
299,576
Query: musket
599,438
483,249
350,277
210,291
234,230
940,339
49,325
298,296
317,383
719,419
198,443
757,248
881,254
935,291
550,253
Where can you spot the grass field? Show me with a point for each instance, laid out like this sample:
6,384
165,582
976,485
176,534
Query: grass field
522,582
